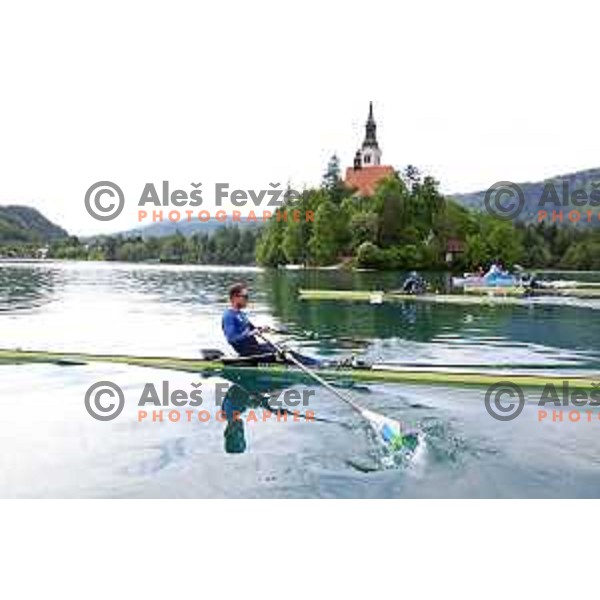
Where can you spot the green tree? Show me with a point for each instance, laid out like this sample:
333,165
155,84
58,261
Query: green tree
476,252
324,243
270,248
363,228
331,177
391,203
369,256
295,243
173,248
332,184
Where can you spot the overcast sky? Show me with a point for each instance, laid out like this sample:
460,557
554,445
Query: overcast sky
257,92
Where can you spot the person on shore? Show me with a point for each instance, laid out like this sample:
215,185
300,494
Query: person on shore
495,270
414,284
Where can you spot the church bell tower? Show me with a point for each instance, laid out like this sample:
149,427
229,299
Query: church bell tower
370,152
367,171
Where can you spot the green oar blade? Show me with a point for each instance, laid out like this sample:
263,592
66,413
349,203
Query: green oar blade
388,430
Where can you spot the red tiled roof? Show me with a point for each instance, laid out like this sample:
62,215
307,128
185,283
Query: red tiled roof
365,180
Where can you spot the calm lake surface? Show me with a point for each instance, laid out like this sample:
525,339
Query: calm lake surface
51,447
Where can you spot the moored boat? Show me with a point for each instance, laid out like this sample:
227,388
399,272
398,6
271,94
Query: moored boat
485,296
490,281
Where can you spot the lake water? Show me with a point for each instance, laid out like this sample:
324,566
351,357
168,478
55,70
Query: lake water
51,447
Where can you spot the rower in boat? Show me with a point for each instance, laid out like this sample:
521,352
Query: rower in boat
241,334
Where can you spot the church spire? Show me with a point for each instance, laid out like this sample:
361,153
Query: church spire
371,130
370,148
368,171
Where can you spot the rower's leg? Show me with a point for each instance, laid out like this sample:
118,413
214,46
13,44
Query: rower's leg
307,361
269,353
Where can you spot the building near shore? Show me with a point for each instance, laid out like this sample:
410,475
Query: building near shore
455,249
367,170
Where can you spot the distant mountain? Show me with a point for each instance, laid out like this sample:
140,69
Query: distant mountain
533,192
188,229
23,224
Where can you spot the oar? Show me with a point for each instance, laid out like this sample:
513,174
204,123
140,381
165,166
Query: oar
388,430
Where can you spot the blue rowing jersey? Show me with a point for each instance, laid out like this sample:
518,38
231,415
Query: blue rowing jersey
236,327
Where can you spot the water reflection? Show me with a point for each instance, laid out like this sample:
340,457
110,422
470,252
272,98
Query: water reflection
237,401
25,287
499,333
176,310
251,393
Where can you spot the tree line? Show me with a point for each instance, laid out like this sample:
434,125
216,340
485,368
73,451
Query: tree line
229,245
407,224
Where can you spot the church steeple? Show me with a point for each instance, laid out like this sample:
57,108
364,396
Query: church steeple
368,172
371,154
371,130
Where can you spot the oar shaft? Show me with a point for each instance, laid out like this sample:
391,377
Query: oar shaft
290,356
388,429
322,381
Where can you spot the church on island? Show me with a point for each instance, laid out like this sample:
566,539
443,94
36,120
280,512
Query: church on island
368,171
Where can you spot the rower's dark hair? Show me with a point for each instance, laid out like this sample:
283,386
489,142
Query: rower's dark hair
236,289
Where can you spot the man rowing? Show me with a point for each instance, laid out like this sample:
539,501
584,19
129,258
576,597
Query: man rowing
241,334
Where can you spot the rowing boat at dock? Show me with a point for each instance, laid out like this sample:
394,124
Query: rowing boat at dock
479,297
